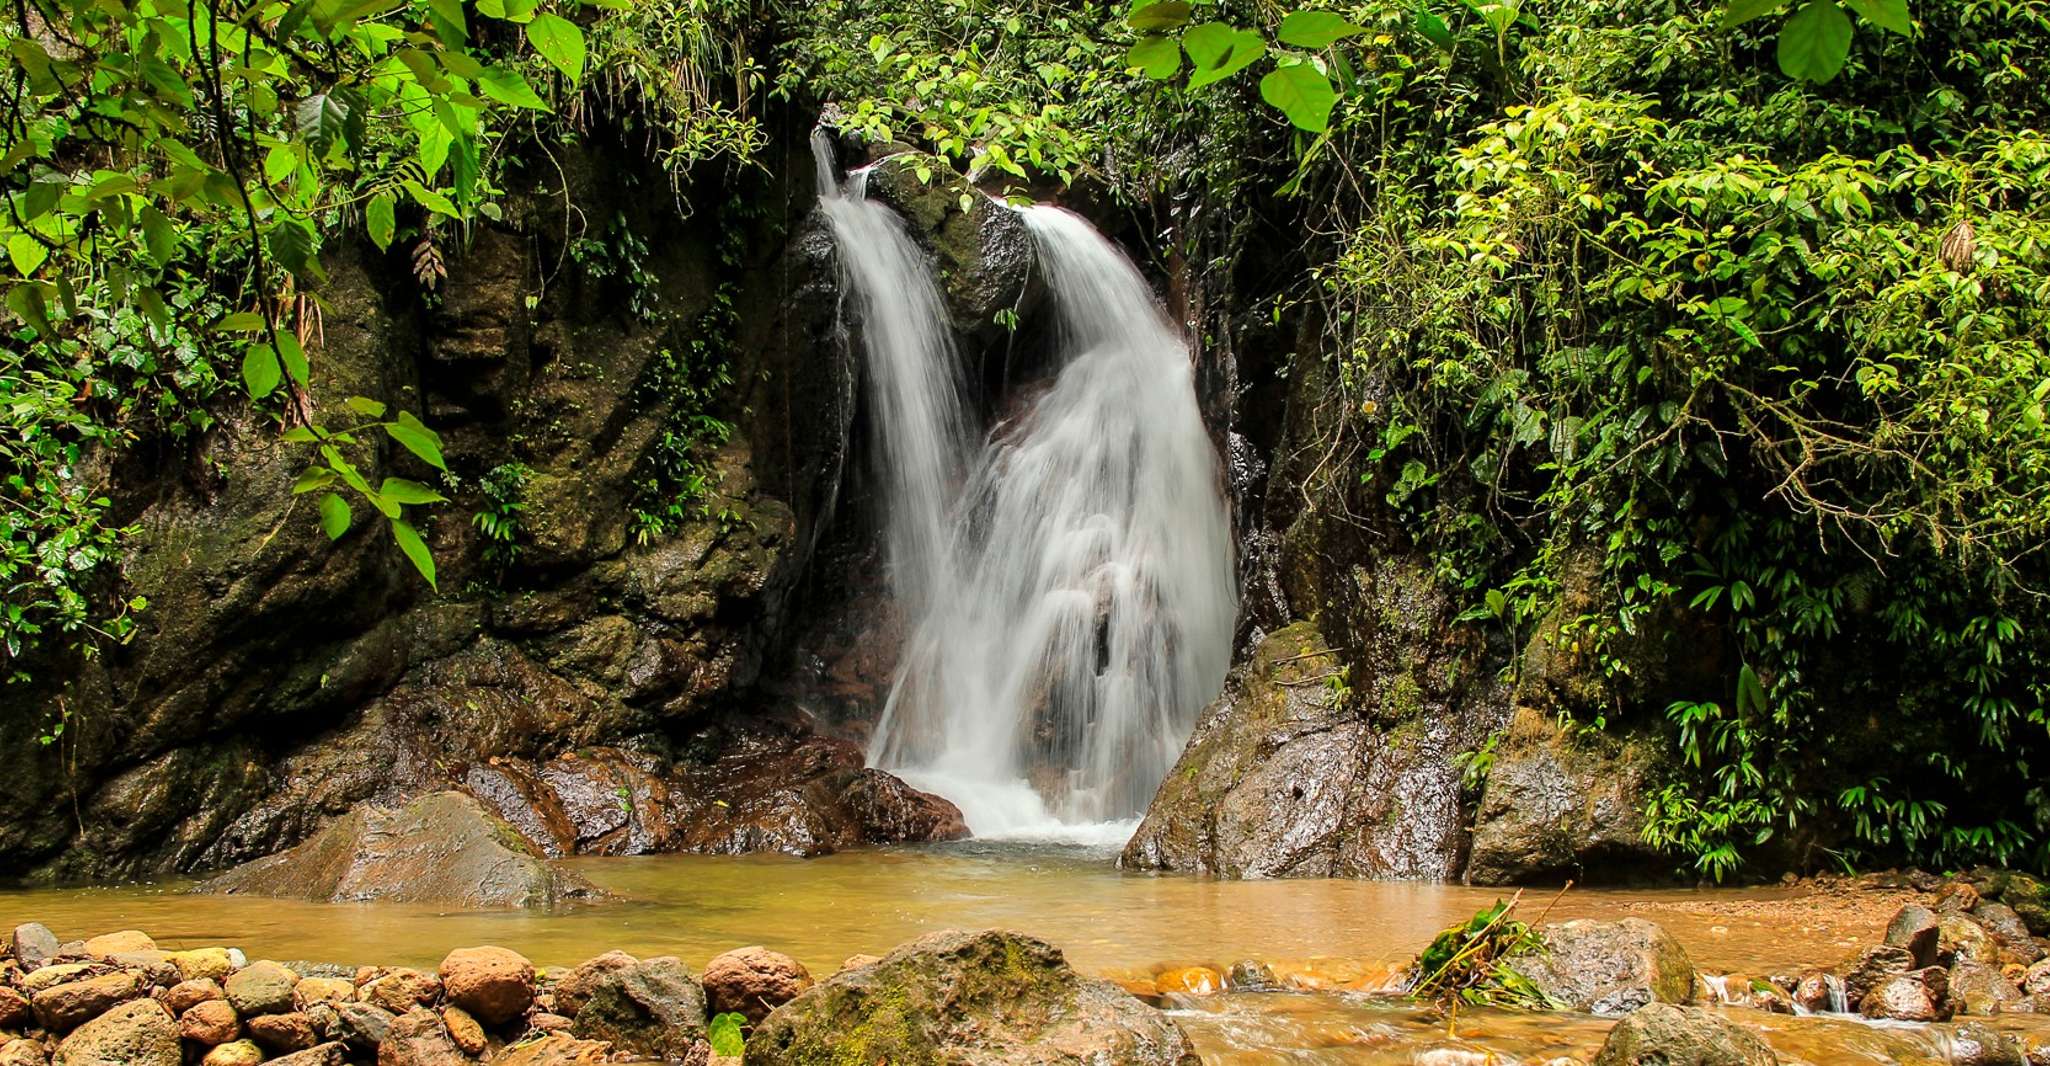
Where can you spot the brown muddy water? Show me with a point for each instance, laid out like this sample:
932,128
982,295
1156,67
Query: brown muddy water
1338,937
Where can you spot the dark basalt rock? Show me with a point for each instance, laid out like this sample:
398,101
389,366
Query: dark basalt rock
992,998
987,259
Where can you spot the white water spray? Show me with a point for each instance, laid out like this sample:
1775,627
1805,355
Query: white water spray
1073,600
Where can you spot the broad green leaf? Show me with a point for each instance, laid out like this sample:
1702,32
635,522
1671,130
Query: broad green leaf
40,199
419,442
380,218
1435,30
1889,15
292,355
415,549
1303,93
1159,16
334,516
1815,42
291,244
279,163
1315,29
724,1033
449,14
1498,604
26,253
1750,693
158,235
300,435
365,406
260,371
1158,57
1739,12
240,322
323,121
506,86
431,200
313,479
1218,51
560,42
400,490
28,302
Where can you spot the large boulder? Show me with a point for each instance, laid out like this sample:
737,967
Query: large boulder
753,981
1562,805
992,998
652,1007
1663,1034
61,1007
137,1033
1288,775
441,849
1589,963
986,256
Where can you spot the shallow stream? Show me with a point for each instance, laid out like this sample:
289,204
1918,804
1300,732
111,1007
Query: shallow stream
1342,937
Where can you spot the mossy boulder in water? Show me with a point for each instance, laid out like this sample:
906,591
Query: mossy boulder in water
993,998
1591,965
1666,1035
442,849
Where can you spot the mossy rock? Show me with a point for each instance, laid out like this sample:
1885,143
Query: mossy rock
994,998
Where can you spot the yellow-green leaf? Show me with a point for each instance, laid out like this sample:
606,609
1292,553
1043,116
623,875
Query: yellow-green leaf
260,371
1315,29
26,253
334,515
560,42
1158,57
380,217
400,490
1303,93
415,549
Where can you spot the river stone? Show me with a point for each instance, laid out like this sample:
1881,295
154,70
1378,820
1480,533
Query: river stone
993,998
32,944
418,1038
362,1026
261,988
234,1053
1979,1044
400,990
441,849
290,1031
108,945
1664,1034
1980,989
185,995
554,1050
465,1030
1902,999
1588,961
753,981
1872,968
494,984
137,1033
67,1005
1914,930
1961,937
215,963
2009,931
58,973
23,1053
311,990
211,1023
319,1055
651,1007
15,1012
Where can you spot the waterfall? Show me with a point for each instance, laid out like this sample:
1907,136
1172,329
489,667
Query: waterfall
1068,580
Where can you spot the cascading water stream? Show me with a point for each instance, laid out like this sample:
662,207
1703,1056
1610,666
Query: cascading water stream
1072,600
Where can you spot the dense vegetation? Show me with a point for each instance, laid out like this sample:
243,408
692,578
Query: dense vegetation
1697,319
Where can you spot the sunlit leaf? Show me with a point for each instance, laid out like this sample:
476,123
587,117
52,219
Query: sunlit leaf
415,549
260,371
1303,93
334,515
1315,29
1158,57
560,42
1814,44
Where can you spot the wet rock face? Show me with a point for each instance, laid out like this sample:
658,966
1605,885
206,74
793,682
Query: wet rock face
1666,1035
1289,775
987,258
1617,965
442,849
1557,806
993,998
771,788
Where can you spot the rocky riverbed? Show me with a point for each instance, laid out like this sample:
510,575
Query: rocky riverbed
1958,976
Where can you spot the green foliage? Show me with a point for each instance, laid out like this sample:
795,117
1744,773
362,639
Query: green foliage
1771,361
724,1031
503,488
1468,963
